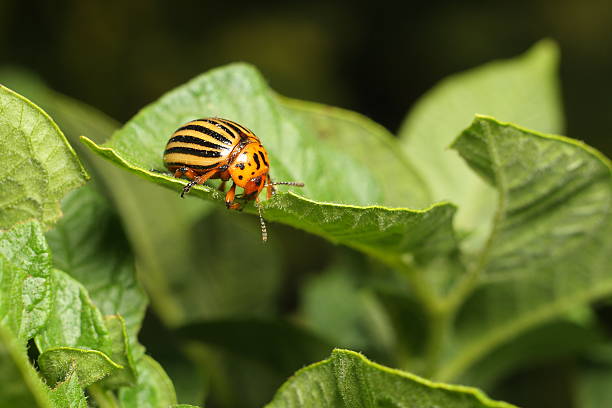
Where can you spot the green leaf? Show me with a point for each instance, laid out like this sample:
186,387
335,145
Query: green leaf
158,257
26,293
239,92
387,233
68,393
522,90
153,389
76,334
121,353
337,305
21,386
88,244
549,249
347,379
38,167
370,146
225,286
331,175
90,366
75,320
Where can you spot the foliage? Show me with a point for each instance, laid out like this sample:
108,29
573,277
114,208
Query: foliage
460,265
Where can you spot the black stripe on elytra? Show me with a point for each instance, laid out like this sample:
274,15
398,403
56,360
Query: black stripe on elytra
256,158
232,125
207,131
196,140
244,130
193,152
220,125
194,166
263,158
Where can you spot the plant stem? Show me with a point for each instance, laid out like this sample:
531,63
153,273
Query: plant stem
103,398
440,322
439,318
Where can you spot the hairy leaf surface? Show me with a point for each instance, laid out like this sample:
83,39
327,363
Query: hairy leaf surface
26,291
347,379
38,164
549,248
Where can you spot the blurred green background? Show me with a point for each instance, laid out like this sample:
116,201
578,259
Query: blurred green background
375,59
119,56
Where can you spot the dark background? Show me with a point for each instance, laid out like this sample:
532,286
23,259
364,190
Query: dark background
370,57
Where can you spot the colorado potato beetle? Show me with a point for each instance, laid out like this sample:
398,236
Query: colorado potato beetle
212,148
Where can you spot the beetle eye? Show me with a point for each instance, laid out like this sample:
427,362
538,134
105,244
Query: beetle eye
257,180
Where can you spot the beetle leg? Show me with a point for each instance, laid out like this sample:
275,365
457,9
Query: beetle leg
195,180
229,198
270,190
222,185
262,224
185,171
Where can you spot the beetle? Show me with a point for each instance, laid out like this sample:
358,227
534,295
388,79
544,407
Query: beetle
210,148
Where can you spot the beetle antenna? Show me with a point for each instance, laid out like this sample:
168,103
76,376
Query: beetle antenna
286,183
264,231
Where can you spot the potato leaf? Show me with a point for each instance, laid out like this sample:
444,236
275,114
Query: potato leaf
38,164
341,201
26,291
347,379
549,248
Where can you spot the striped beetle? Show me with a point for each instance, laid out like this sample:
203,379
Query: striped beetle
220,148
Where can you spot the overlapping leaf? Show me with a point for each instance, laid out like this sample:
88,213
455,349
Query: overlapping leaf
75,321
88,244
153,387
77,344
522,90
21,386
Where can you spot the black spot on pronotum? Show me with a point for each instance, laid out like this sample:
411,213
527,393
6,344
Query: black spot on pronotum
240,166
263,158
252,173
239,177
256,158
